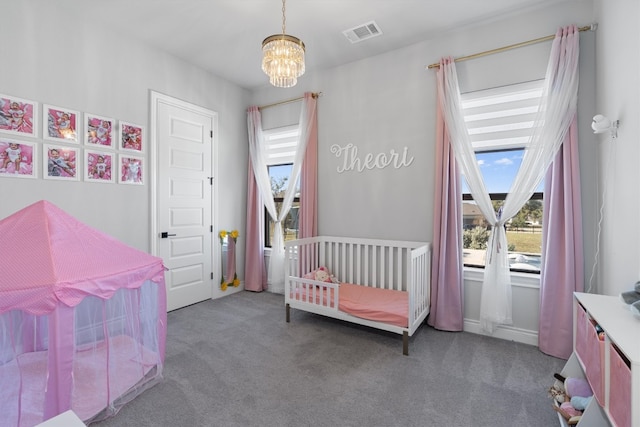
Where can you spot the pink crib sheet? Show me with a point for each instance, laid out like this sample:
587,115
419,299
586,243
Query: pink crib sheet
381,305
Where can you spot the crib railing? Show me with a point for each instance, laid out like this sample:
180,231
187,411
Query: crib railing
367,262
397,265
420,283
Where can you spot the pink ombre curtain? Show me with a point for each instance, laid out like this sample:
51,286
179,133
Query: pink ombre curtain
255,272
258,194
563,259
557,110
308,220
446,312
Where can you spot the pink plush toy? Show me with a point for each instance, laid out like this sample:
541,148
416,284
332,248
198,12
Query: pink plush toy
568,408
321,274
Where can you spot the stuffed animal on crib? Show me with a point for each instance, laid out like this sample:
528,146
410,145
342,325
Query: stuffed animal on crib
320,274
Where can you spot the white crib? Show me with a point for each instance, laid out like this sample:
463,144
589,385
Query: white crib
384,264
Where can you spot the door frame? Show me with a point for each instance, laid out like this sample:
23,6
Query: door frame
216,250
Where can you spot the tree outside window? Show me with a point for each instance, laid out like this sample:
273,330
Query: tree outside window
279,175
281,145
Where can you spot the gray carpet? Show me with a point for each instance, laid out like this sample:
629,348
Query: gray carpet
236,362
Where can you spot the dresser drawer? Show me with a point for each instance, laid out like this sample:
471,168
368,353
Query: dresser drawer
594,363
619,388
581,334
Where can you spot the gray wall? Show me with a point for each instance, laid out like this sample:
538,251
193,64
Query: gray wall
389,102
378,104
74,63
618,96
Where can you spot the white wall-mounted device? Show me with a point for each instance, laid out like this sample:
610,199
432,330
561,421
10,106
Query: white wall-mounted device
602,124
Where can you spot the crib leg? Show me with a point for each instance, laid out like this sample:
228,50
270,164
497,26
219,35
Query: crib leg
405,343
287,309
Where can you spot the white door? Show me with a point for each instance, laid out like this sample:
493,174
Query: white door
184,198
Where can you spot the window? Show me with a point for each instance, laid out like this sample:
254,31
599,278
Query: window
281,144
500,122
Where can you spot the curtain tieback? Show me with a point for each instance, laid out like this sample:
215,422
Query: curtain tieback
495,232
494,242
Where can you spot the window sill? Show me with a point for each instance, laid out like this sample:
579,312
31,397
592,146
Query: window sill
525,280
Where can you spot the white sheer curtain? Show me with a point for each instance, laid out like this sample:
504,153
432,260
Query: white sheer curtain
275,277
557,110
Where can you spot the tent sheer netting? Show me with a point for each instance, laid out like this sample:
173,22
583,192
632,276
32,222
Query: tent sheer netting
82,318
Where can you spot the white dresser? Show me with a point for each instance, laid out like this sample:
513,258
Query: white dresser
610,362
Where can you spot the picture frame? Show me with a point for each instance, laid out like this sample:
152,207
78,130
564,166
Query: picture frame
131,137
99,131
60,124
131,169
99,166
61,162
18,159
18,116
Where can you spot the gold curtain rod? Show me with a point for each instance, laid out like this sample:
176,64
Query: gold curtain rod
591,27
287,101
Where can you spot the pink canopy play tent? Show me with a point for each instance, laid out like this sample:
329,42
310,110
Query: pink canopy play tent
82,318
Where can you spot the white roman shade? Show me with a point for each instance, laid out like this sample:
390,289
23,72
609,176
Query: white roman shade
502,118
281,145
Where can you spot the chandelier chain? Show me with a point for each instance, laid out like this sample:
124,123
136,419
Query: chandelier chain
284,18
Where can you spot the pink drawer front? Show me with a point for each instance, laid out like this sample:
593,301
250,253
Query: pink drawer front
620,389
581,334
593,365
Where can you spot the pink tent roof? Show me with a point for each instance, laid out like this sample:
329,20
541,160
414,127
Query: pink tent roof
48,256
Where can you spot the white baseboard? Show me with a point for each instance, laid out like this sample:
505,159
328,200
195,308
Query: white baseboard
275,289
503,332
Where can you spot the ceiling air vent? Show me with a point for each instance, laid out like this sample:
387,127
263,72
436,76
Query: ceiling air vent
362,32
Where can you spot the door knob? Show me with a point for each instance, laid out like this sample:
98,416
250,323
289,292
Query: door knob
165,234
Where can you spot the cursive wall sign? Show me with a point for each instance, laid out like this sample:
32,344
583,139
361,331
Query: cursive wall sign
351,161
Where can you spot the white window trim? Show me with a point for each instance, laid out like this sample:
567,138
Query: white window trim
489,132
281,144
518,279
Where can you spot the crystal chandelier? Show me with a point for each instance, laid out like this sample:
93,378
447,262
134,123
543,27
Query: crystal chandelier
283,57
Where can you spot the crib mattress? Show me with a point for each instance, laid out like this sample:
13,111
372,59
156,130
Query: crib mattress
381,305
